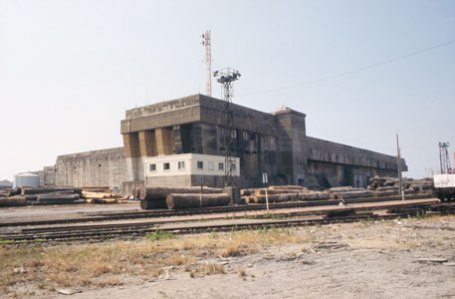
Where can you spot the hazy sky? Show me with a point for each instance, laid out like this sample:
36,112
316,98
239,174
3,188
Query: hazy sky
361,70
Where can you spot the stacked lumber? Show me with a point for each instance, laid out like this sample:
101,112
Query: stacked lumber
102,195
388,186
157,197
277,194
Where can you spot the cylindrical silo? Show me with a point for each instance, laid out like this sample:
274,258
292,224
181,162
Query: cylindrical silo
27,180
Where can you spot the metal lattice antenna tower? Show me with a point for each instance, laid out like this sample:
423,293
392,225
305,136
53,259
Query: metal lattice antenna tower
226,77
207,42
444,158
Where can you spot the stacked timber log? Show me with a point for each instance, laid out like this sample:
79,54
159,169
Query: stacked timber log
52,196
388,186
102,195
178,198
13,201
194,200
347,192
276,194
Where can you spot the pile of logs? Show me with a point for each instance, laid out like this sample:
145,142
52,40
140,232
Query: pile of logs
40,196
348,192
102,195
281,194
57,195
388,186
182,198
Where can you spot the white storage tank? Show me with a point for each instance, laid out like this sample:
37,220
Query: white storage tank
26,180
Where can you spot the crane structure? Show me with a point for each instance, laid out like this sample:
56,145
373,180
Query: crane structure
207,43
444,158
226,78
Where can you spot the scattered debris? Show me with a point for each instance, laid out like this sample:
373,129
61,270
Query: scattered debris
20,270
68,291
432,260
329,245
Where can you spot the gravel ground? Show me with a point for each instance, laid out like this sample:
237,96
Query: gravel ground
386,259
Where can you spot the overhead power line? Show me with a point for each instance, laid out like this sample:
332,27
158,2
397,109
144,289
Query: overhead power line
356,70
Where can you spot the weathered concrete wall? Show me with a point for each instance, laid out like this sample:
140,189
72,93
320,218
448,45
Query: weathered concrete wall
95,168
334,164
47,176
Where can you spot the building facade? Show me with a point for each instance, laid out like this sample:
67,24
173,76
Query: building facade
276,144
182,143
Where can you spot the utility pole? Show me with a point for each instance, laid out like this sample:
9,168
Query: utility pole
207,42
399,169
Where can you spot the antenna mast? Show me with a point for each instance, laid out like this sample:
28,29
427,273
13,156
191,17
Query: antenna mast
207,42
444,158
226,77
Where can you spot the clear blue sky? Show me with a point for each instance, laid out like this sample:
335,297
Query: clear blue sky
70,69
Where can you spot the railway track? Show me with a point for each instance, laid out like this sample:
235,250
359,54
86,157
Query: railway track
98,232
111,216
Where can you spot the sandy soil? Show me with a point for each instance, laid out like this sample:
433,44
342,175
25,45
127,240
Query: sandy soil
359,260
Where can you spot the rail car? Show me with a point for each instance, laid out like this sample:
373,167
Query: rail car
444,186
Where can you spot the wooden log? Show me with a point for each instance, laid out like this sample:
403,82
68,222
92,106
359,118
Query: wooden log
386,193
156,197
192,200
388,188
288,187
14,192
105,200
104,189
354,194
57,198
152,192
100,195
344,189
58,202
261,192
30,191
13,201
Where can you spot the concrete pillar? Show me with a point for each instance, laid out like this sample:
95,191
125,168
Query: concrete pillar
163,137
147,144
134,167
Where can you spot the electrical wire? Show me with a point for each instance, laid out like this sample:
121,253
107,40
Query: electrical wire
354,71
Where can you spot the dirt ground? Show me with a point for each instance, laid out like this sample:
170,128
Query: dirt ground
408,258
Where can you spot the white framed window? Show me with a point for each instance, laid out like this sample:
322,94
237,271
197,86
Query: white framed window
166,166
181,165
152,167
221,166
211,166
200,165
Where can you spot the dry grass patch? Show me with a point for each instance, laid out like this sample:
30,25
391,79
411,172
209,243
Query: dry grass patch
104,264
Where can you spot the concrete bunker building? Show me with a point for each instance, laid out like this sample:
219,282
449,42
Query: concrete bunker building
181,143
177,142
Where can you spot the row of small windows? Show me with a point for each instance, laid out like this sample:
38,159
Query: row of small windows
181,166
